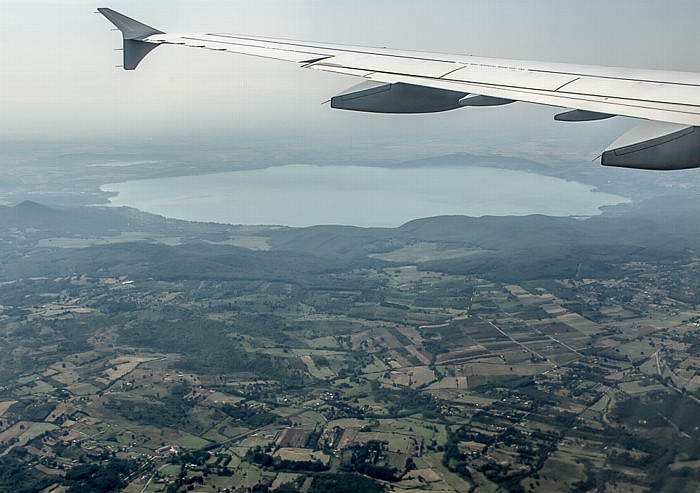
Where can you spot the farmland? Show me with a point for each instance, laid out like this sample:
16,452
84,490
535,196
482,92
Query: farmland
194,366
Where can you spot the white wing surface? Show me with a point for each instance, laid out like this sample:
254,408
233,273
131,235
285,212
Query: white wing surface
413,82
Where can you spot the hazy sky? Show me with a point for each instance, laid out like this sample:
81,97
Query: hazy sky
58,75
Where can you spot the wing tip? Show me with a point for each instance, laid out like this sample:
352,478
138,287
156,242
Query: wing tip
133,35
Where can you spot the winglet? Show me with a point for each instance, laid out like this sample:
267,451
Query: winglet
133,32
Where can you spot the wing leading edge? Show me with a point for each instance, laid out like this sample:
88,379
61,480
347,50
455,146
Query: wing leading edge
413,82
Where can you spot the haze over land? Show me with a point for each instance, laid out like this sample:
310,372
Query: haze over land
448,354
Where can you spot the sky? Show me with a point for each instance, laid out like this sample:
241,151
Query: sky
58,77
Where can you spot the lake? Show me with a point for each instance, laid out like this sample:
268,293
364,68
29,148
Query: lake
307,195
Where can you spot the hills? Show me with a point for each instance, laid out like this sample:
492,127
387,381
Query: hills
499,248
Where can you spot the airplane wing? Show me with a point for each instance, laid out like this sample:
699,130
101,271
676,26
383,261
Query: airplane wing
412,82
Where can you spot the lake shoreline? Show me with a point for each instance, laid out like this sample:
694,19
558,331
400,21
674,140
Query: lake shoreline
309,195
